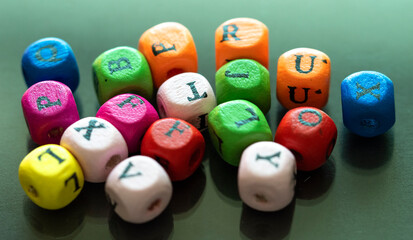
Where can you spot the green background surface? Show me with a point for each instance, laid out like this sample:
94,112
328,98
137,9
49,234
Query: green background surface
365,191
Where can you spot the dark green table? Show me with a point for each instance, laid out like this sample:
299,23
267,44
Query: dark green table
365,191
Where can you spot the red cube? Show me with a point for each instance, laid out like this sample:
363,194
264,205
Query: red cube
310,134
177,145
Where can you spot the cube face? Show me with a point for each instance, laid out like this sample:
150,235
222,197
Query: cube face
244,79
49,108
367,99
50,59
187,96
303,78
177,145
235,125
170,50
241,38
266,176
122,70
132,115
139,188
51,176
310,134
97,145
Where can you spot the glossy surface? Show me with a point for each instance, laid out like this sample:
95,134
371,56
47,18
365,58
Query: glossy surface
51,176
187,96
139,189
310,134
240,38
176,144
97,145
235,125
131,115
121,70
367,99
266,176
362,192
170,49
48,108
50,59
303,78
244,79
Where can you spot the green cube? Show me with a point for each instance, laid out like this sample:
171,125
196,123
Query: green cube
122,70
244,79
235,125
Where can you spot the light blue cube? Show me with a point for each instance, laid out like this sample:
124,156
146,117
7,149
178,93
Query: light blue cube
367,99
50,59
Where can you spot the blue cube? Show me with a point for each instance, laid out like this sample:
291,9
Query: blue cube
50,59
367,99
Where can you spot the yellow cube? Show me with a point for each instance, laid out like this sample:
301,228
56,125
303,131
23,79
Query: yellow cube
51,176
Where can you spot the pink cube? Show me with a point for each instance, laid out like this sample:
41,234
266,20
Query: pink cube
131,115
49,108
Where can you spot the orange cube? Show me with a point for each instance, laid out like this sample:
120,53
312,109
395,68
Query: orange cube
170,50
241,38
303,78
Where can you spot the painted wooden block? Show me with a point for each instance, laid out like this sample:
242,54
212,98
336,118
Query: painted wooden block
132,115
49,108
97,145
187,96
244,79
367,99
235,125
303,78
240,38
121,70
170,50
177,145
51,176
266,176
310,134
50,59
139,189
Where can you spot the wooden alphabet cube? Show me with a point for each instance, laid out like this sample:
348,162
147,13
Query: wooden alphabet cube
266,176
131,115
367,99
187,96
139,189
303,78
235,125
244,79
49,108
241,38
50,59
310,134
97,145
121,70
177,145
170,50
51,176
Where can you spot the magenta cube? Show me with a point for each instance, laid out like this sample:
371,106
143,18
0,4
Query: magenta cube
49,108
131,115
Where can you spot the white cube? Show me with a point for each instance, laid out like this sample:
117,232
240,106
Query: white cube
187,96
97,145
266,176
139,189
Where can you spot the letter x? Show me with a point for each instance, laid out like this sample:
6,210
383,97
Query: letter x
268,158
365,91
89,129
